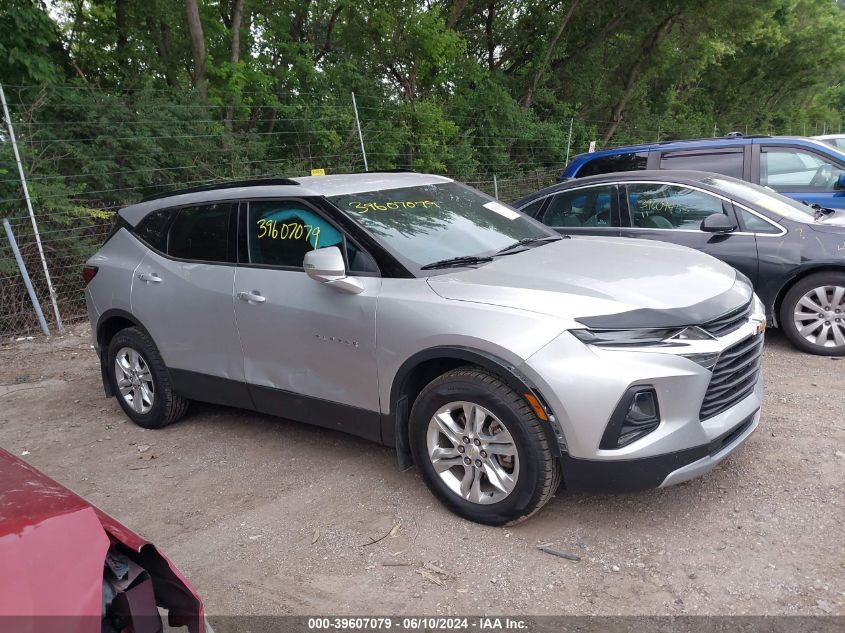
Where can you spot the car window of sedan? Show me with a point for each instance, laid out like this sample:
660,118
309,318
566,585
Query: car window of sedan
754,224
664,206
790,169
586,207
279,233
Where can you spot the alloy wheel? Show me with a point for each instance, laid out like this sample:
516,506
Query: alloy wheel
134,380
472,452
819,316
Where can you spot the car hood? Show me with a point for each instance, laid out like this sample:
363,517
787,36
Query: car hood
53,545
644,283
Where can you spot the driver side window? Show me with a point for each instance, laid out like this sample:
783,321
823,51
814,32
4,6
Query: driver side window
280,233
787,169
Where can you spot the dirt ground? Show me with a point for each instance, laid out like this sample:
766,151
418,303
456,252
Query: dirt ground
267,516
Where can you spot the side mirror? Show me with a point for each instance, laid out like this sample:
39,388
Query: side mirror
326,265
840,182
717,223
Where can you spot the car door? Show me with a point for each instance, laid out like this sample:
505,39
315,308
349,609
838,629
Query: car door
802,174
590,210
673,213
309,350
182,294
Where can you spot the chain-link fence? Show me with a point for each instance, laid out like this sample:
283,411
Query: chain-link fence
87,152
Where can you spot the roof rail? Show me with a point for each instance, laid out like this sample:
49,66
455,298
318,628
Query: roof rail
230,184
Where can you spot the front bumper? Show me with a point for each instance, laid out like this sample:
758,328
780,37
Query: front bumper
583,384
654,472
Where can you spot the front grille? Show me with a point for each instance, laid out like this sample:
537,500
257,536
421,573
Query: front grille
734,376
729,321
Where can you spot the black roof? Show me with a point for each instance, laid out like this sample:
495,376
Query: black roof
229,184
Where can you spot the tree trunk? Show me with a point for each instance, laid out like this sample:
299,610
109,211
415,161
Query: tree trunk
652,41
235,51
488,31
120,44
160,34
197,46
455,13
538,76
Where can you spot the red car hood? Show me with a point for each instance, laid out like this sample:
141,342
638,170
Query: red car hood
53,546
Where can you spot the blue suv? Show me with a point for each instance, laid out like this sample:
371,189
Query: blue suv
804,169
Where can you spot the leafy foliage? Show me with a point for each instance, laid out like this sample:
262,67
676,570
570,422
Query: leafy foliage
110,104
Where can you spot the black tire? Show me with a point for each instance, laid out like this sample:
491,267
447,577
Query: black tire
539,469
790,303
167,406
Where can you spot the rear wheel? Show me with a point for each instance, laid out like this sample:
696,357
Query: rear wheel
141,381
812,314
481,449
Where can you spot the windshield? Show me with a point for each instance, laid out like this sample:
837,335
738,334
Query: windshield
431,223
765,198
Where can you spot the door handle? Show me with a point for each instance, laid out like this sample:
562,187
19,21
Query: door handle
252,297
149,278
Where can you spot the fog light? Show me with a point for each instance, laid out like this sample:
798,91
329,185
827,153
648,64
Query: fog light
636,415
643,407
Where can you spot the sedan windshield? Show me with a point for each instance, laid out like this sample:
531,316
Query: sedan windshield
763,197
438,222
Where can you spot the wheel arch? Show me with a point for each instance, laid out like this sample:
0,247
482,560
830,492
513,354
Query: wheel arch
800,275
424,366
110,323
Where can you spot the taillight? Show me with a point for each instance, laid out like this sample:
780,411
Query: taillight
88,273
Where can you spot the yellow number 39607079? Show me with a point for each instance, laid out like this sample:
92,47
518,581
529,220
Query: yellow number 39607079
288,231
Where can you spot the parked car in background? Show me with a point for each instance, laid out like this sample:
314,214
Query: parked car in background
414,311
837,140
68,566
804,169
794,254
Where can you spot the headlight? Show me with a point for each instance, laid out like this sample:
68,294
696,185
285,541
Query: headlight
640,337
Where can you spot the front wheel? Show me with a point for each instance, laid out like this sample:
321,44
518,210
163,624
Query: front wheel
481,449
812,314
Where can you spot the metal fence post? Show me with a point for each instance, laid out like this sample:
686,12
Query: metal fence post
26,280
495,187
360,136
569,142
52,290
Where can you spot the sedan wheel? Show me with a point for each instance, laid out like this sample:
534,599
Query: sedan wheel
134,380
819,316
472,452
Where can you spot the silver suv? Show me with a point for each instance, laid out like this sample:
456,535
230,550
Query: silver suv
411,310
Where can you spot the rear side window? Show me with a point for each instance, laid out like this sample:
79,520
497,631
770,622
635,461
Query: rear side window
589,207
608,164
728,163
153,229
202,233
